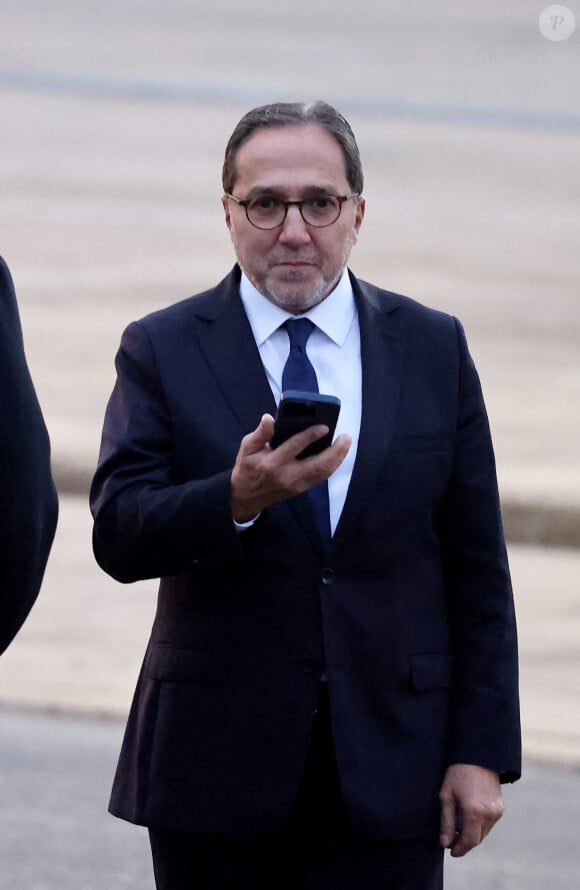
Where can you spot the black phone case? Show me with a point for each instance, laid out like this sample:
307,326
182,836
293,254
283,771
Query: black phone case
299,410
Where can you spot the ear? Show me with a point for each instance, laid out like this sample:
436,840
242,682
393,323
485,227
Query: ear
359,213
226,206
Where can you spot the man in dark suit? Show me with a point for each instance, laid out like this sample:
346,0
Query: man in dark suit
329,694
28,498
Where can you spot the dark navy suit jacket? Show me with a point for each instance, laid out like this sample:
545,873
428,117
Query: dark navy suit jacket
28,501
409,609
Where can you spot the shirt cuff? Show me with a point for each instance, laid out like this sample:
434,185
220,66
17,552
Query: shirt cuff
242,526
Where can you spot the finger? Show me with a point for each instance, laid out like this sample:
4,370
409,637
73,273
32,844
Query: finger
448,820
296,444
470,836
479,819
255,441
494,814
499,809
332,457
318,467
293,476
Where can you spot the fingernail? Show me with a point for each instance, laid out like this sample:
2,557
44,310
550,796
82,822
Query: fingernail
444,840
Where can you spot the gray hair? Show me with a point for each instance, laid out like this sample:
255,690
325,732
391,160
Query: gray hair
284,114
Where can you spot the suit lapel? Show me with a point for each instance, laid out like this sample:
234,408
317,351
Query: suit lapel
381,359
227,341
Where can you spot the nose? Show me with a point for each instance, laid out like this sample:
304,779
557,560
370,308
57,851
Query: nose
294,230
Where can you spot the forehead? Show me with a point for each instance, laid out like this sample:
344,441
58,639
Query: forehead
291,157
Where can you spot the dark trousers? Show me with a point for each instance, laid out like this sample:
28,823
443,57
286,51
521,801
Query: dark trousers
317,849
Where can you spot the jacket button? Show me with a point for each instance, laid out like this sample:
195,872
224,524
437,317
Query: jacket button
327,576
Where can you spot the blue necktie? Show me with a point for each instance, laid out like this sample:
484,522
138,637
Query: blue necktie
298,373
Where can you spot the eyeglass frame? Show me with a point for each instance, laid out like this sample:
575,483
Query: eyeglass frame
286,204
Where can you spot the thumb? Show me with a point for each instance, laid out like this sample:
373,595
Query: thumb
259,438
265,428
448,812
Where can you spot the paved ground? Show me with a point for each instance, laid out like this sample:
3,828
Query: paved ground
55,833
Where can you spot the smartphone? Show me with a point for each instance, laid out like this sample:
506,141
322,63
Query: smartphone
298,410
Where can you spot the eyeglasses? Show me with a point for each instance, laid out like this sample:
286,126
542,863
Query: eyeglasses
268,212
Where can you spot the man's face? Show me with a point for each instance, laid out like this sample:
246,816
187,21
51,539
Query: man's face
295,265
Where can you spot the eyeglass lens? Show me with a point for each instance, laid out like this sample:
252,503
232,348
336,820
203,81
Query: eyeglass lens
268,212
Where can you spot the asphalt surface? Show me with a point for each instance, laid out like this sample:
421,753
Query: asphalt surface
56,835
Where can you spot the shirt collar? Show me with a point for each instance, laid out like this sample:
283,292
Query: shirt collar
333,315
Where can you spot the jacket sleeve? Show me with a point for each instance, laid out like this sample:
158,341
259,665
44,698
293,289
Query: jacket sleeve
147,524
486,726
28,500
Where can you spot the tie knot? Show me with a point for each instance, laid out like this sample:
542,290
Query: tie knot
299,330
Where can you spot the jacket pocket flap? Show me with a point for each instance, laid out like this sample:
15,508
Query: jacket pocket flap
429,672
172,664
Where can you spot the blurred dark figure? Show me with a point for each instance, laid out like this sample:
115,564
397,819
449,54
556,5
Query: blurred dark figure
28,500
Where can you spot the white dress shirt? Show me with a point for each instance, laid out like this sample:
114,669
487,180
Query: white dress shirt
334,351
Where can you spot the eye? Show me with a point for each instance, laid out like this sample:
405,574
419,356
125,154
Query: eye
321,202
265,204
320,208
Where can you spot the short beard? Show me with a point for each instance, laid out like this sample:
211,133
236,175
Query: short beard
286,298
284,295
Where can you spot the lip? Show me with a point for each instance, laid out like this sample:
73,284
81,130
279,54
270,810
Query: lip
294,263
